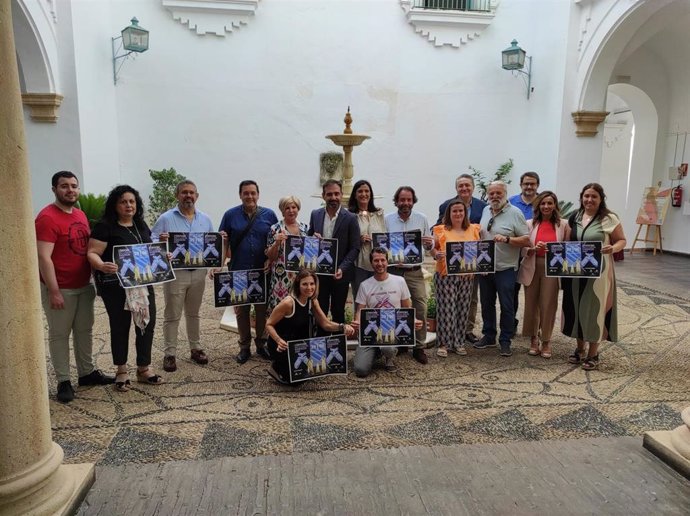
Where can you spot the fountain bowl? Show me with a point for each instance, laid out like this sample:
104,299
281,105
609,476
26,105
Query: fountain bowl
347,140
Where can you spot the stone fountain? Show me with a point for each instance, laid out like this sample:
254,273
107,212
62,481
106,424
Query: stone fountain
347,141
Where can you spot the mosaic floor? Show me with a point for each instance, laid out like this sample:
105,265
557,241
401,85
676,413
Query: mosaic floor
224,409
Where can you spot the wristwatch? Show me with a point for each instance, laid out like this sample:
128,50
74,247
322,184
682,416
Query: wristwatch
507,240
341,327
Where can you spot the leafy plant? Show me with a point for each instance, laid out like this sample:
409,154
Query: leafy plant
93,207
431,307
566,208
163,196
481,183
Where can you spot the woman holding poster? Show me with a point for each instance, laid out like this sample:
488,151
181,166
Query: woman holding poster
294,319
123,224
541,293
453,292
590,313
281,280
371,220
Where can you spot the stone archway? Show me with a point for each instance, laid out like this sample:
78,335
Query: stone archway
37,55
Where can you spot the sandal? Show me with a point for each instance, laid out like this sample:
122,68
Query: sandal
575,357
533,347
122,383
545,353
442,352
591,363
152,379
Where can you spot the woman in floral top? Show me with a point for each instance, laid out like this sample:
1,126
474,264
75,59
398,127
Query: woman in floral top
281,280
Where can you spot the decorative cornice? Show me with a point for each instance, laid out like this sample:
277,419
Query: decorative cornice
448,27
212,16
43,106
587,122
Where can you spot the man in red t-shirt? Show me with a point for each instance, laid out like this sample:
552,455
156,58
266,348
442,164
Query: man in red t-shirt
62,233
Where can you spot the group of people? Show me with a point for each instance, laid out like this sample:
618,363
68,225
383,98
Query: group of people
303,305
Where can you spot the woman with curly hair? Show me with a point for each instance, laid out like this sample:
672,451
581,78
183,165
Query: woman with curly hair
123,224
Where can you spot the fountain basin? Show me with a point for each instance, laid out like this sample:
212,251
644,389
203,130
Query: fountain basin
347,140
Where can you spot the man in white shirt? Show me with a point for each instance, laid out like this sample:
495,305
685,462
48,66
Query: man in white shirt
383,290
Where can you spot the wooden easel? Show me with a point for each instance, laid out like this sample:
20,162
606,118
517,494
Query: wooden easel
656,240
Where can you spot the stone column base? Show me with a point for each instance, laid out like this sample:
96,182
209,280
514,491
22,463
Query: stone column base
673,447
59,494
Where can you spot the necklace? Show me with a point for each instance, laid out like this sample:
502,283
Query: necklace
137,237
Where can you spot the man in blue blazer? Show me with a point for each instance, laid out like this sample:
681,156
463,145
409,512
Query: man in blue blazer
334,221
464,185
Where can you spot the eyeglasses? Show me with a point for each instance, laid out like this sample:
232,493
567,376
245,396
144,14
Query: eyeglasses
491,223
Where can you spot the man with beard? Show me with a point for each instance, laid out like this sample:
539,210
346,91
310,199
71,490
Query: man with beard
529,184
334,222
382,290
247,227
187,291
504,224
406,219
67,295
464,186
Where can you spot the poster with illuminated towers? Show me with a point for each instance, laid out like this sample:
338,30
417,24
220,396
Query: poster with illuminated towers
195,250
142,264
403,247
386,327
470,257
234,288
316,254
320,356
573,259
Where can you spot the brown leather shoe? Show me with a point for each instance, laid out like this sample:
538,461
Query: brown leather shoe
199,356
420,356
169,364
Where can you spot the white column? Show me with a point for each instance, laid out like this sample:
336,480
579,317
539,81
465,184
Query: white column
672,446
32,477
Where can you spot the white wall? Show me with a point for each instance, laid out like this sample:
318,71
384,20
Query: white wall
258,102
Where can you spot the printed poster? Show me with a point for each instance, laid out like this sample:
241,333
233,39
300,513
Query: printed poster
142,264
471,257
320,356
654,206
195,250
308,252
573,259
235,288
403,247
386,327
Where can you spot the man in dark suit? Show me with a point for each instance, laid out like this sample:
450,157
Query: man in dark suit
464,185
335,222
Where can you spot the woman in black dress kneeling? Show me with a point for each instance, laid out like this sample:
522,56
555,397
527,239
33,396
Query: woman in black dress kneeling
294,318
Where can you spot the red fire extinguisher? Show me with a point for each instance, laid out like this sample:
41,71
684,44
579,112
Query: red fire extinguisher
677,196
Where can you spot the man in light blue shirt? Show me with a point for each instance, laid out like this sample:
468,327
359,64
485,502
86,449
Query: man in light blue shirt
187,291
406,219
529,184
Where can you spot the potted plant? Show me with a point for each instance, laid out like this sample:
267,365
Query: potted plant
431,313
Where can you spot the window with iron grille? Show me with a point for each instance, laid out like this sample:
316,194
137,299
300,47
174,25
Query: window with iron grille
453,5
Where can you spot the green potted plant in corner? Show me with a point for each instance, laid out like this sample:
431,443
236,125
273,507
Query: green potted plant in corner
93,207
431,313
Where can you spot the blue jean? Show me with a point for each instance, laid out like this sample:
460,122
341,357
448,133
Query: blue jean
501,283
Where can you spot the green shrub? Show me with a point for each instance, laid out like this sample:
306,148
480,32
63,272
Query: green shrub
163,196
481,183
93,207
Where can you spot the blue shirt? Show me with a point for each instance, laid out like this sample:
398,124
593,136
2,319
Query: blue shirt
249,253
526,209
174,221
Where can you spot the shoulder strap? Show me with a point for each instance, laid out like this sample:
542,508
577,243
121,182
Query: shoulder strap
244,233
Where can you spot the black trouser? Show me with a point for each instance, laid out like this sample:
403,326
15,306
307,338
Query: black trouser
120,321
279,360
516,300
332,296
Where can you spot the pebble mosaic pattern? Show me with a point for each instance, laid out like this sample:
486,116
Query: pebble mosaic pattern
225,409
